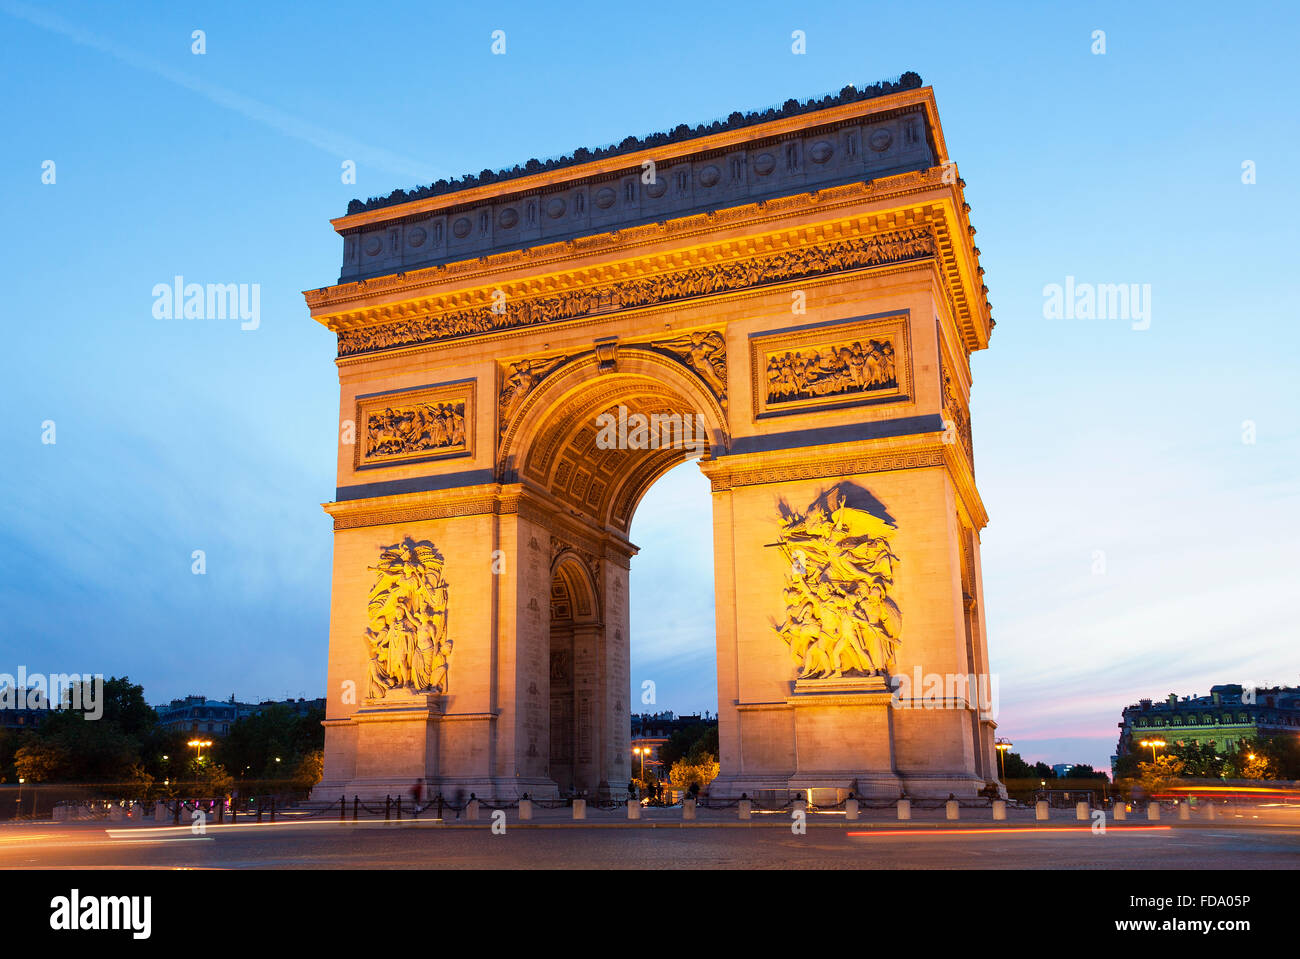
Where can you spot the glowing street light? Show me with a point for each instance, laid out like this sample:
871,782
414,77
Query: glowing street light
1154,744
1002,746
199,744
641,751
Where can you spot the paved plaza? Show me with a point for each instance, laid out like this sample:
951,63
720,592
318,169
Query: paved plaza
1247,839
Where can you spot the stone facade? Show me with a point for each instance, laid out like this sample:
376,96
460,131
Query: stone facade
816,319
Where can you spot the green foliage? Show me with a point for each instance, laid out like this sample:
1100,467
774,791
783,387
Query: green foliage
690,743
251,748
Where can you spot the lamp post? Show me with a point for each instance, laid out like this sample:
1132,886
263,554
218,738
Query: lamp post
641,751
1002,746
1154,744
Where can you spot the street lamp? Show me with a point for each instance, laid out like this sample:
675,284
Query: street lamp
642,752
199,744
1003,745
1154,744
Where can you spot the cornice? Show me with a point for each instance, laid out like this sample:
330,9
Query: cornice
922,98
625,242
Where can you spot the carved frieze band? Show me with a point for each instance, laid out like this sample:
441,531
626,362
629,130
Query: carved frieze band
854,253
720,479
411,426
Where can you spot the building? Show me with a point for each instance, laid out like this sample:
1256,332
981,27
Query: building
1228,715
1062,770
791,301
198,714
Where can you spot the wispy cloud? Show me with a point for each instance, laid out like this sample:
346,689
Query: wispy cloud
330,141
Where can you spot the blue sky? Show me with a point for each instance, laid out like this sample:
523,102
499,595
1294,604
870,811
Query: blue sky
1090,436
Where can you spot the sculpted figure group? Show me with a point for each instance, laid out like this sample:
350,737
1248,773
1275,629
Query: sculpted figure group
840,618
828,372
414,429
407,631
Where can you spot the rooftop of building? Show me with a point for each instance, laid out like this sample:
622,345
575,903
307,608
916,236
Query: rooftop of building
737,120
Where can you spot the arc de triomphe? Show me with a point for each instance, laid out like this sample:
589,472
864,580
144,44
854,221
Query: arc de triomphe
791,297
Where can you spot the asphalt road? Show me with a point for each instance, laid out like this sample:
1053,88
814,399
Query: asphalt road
319,845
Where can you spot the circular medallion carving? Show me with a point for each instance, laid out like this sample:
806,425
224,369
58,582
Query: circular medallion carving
460,229
821,151
710,176
373,246
658,188
604,198
508,219
880,140
555,208
764,164
417,236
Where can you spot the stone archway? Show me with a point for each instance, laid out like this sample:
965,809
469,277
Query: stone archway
519,362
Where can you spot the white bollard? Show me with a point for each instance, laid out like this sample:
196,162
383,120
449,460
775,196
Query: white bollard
1040,810
525,809
60,813
746,808
1184,811
471,810
580,809
1153,811
688,808
1211,813
1082,812
851,810
952,809
905,809
161,812
999,809
633,809
1120,811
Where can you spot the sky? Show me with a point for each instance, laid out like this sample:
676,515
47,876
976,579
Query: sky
1140,482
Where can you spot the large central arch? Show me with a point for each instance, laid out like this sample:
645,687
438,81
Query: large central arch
800,288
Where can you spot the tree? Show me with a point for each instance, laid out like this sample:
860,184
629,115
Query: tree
1158,776
309,770
39,761
698,769
1201,761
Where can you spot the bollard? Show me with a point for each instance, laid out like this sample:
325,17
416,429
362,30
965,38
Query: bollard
388,808
1153,811
746,808
176,814
159,811
397,804
343,809
1120,811
905,809
999,809
851,809
471,808
1211,813
1040,810
1082,812
1184,811
952,809
801,805
525,809
688,808
580,809
633,809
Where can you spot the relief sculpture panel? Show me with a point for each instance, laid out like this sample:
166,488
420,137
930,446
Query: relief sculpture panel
843,363
414,425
